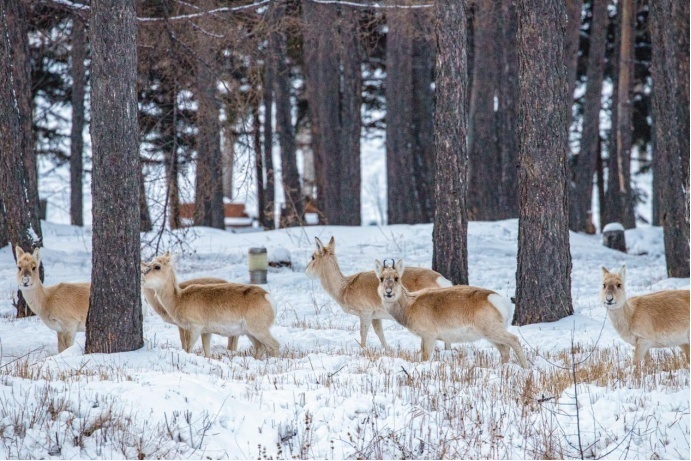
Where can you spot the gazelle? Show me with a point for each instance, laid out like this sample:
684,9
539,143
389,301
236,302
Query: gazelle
454,314
357,293
150,296
654,320
62,307
226,309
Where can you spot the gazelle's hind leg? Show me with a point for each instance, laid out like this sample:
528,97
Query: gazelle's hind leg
233,343
427,348
503,351
258,348
687,352
206,344
61,342
267,340
184,337
194,333
379,330
499,336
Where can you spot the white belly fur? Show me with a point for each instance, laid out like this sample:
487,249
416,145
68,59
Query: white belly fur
464,334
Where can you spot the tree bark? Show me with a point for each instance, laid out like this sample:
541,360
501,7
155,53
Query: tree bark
18,186
294,206
145,224
572,41
450,234
114,322
265,162
666,64
508,111
543,285
483,143
76,138
581,190
208,209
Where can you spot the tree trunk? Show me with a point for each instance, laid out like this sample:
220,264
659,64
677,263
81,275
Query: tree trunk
450,234
114,322
4,236
508,111
483,145
170,153
228,154
351,122
625,112
18,187
543,285
77,128
208,208
265,160
572,41
581,191
666,57
294,206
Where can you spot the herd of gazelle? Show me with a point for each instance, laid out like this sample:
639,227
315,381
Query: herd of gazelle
421,300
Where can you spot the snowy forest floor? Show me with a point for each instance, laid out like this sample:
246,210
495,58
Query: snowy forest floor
325,397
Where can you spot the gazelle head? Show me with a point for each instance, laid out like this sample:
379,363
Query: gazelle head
613,293
322,256
390,286
27,268
158,271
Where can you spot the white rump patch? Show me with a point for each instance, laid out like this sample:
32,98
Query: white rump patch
271,301
443,283
503,305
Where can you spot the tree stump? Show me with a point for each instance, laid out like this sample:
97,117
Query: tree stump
613,237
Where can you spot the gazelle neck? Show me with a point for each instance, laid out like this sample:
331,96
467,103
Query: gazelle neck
35,297
398,309
332,279
169,295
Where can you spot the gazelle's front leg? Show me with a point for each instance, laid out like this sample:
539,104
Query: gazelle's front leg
427,348
365,321
184,337
379,330
61,342
206,344
233,343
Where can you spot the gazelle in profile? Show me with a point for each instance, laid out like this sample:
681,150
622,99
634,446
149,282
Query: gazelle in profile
654,320
453,314
357,293
226,309
62,307
150,296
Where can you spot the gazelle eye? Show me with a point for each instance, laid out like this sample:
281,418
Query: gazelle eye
33,268
618,285
604,286
157,267
19,268
395,279
381,279
312,257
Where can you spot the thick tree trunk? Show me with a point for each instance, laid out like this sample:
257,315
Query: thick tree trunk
508,111
265,160
18,187
403,203
581,190
543,285
114,322
666,57
170,153
76,139
625,112
294,206
351,123
208,209
483,143
450,234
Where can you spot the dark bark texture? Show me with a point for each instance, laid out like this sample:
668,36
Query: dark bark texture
264,160
483,124
334,98
667,106
543,285
450,234
76,138
114,322
208,208
145,224
581,190
18,186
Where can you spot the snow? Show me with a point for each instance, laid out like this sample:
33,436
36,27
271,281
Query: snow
612,227
323,396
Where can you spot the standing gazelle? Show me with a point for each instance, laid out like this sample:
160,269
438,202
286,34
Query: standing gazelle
150,296
454,314
357,293
226,309
654,320
62,307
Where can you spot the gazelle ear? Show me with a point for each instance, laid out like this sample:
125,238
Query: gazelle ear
622,273
166,258
378,267
37,255
18,252
320,245
605,271
332,244
400,268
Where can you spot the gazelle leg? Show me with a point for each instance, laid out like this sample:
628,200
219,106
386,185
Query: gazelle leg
206,344
427,348
233,343
365,321
379,330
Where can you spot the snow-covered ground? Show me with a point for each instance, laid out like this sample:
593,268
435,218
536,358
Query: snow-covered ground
325,397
